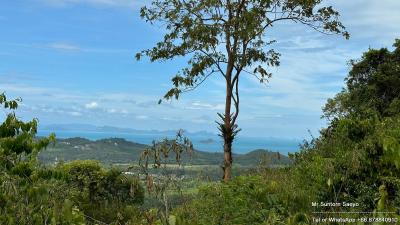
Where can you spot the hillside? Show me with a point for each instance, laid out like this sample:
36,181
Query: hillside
118,150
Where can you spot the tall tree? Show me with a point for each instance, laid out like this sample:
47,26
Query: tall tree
228,37
372,87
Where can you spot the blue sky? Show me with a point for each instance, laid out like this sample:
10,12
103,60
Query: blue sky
72,61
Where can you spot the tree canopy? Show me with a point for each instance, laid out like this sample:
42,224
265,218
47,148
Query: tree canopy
228,38
372,86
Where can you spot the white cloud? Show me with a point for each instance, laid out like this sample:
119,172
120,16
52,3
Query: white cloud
201,105
69,47
142,117
75,114
91,105
64,46
376,21
101,3
302,43
173,119
112,110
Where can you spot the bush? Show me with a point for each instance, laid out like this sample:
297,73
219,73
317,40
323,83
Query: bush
104,195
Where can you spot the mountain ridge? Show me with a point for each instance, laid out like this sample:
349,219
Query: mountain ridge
119,150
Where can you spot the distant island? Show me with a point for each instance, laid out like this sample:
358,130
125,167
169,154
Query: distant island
207,141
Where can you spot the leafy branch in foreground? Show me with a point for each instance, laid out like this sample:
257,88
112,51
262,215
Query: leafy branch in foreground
28,193
163,168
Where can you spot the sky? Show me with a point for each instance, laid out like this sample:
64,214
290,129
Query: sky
72,61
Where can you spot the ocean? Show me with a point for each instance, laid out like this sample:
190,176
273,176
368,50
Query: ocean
207,143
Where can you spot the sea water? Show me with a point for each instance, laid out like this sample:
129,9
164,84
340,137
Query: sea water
209,143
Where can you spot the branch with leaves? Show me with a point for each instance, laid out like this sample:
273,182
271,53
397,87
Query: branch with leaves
161,164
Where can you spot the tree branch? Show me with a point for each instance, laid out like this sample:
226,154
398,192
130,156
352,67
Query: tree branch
198,84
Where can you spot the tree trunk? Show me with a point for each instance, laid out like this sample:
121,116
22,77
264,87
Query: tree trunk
166,208
227,160
227,134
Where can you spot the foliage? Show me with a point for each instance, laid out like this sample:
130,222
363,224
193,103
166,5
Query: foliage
253,199
372,87
103,195
170,172
107,151
29,194
360,147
